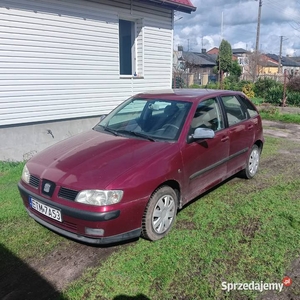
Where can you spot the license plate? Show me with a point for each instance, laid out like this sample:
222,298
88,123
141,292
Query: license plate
45,209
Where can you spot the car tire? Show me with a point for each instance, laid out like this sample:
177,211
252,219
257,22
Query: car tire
160,213
252,163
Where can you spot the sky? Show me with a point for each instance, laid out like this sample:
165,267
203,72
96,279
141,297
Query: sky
204,27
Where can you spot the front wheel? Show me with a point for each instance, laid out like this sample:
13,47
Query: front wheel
160,213
252,163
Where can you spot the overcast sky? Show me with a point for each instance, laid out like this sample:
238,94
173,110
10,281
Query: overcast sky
203,28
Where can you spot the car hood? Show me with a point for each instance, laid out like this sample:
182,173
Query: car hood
92,159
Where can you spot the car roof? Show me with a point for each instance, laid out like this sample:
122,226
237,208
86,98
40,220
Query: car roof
186,94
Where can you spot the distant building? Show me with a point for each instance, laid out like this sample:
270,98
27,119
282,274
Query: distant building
195,67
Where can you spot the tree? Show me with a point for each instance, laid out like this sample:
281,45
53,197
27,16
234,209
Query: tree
256,64
224,60
235,70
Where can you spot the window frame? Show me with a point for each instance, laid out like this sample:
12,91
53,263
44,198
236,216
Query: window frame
247,103
245,111
219,112
137,48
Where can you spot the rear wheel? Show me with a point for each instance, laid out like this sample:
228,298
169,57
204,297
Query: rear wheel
160,214
252,163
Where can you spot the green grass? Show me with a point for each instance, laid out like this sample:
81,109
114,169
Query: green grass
275,115
243,231
19,234
257,101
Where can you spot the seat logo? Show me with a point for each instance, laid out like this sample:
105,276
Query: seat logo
47,187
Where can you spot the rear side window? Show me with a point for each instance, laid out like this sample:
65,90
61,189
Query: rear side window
249,106
234,110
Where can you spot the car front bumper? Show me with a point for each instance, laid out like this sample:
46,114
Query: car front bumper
75,221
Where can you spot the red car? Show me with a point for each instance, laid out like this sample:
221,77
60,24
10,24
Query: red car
130,174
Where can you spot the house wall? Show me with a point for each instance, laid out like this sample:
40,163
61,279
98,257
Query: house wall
268,70
60,61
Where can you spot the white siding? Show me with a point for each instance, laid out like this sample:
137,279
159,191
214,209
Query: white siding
60,59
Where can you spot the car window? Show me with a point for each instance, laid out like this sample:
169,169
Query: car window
130,112
208,115
234,110
152,118
249,106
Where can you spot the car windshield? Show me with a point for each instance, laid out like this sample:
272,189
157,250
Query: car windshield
152,119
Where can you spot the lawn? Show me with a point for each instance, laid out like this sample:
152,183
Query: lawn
19,234
242,231
275,115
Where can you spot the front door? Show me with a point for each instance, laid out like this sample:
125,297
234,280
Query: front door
205,161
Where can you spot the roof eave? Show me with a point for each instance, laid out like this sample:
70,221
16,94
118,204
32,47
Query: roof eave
172,5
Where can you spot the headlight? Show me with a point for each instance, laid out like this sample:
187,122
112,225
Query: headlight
25,174
99,197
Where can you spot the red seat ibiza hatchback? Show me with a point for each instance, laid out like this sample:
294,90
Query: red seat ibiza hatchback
129,175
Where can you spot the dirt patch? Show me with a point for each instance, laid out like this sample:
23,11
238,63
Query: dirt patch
249,229
46,278
66,264
287,130
185,224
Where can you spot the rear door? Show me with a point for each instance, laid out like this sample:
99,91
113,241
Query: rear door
241,132
205,161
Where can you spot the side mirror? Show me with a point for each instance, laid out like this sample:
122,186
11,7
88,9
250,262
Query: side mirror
202,133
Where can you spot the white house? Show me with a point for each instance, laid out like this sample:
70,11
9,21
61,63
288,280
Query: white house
63,63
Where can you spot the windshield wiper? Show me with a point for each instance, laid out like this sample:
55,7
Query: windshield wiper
142,135
138,134
115,132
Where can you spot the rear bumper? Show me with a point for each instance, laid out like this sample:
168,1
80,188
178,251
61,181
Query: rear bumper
75,221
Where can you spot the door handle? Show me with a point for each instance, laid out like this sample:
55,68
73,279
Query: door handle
224,139
250,126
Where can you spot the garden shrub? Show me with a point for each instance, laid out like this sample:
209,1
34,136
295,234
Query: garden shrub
263,86
248,90
294,84
212,86
293,98
195,86
274,94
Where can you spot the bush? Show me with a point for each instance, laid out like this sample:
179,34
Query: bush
274,94
179,83
194,86
294,84
262,87
248,90
293,98
212,86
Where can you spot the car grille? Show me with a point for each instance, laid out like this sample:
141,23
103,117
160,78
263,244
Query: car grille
34,181
67,194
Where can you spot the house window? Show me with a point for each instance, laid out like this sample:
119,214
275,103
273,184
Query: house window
131,48
127,47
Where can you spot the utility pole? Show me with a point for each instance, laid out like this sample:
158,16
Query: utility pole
258,25
284,90
220,72
257,36
280,55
